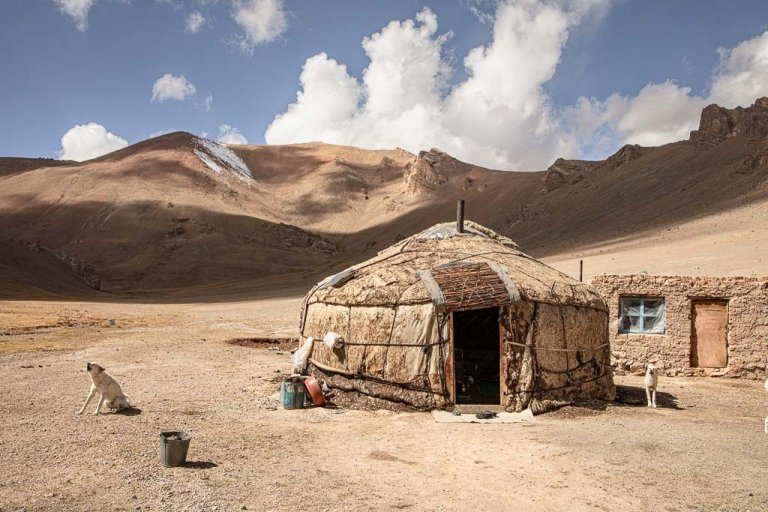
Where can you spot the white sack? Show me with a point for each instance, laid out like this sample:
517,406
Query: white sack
333,340
301,356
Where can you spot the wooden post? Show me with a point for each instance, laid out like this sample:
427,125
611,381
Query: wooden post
581,270
450,364
460,216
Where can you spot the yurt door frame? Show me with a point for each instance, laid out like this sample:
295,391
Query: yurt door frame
450,363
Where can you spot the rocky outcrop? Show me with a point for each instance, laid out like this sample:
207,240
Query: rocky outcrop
428,171
294,237
623,156
759,160
718,124
84,271
568,172
565,172
528,213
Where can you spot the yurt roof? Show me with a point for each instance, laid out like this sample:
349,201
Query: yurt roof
476,268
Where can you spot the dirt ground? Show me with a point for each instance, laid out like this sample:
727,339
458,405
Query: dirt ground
703,449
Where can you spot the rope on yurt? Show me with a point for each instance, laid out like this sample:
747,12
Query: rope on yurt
541,369
559,349
378,344
408,386
355,268
427,353
391,330
531,349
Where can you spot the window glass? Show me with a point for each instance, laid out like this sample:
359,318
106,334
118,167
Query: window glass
642,315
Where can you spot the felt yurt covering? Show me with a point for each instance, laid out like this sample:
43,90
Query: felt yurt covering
395,312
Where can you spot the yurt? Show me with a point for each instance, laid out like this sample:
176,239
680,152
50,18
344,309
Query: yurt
458,315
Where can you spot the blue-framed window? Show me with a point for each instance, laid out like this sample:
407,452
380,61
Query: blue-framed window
642,315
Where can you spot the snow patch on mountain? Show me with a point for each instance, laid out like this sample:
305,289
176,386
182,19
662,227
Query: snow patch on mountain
218,157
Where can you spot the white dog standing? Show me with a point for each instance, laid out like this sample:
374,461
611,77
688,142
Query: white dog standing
651,381
108,388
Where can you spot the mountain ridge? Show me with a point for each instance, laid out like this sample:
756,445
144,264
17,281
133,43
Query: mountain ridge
178,212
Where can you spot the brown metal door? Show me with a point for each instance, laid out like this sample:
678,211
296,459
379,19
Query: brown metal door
709,337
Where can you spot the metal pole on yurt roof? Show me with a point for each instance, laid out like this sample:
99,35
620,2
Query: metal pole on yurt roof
460,216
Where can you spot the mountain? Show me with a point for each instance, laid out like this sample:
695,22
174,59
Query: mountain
164,214
721,168
178,215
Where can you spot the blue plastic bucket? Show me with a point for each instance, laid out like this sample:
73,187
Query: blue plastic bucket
293,393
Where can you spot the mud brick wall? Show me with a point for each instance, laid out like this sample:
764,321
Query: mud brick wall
747,323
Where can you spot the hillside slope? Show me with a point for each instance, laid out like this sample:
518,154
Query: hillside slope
154,216
179,213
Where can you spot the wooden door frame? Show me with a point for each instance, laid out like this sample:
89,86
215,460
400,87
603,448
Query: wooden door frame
697,300
450,366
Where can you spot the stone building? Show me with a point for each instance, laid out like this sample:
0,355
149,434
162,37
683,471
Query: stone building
711,326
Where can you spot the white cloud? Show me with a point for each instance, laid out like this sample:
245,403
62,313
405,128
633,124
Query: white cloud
77,10
194,22
230,135
208,102
667,112
742,74
499,116
659,114
502,109
170,87
262,21
86,141
483,10
324,107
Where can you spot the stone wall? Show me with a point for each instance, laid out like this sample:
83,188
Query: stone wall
747,323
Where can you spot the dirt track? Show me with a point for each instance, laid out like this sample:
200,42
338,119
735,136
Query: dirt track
703,450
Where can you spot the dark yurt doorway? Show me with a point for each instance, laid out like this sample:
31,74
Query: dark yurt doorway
477,356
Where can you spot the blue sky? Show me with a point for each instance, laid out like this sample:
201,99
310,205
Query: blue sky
554,78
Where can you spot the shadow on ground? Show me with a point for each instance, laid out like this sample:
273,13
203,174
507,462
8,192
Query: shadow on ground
131,411
200,464
634,396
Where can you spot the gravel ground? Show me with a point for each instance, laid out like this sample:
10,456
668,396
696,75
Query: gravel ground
703,449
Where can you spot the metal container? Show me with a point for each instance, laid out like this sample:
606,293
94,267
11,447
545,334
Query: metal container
293,393
174,445
315,391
